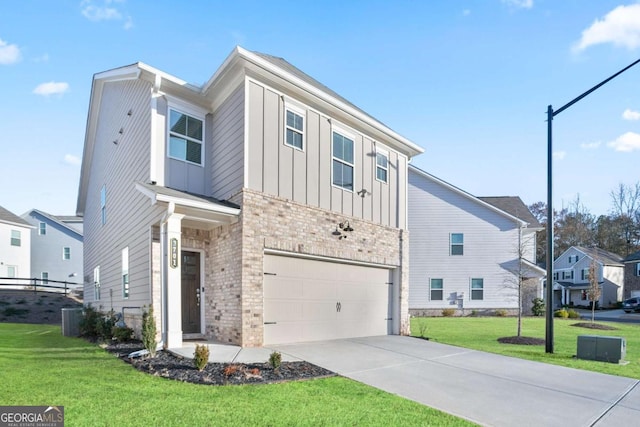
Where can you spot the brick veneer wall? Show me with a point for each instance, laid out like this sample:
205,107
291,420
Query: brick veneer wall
631,281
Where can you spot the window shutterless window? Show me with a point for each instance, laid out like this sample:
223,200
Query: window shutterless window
382,166
103,204
96,283
477,289
294,126
12,271
185,137
457,244
125,272
66,253
16,239
45,277
42,229
342,161
435,289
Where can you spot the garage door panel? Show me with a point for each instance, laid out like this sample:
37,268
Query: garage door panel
282,287
318,289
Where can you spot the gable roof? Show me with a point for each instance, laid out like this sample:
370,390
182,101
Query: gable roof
9,217
415,170
58,220
605,257
633,257
515,206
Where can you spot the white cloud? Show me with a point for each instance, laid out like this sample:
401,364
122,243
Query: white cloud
621,27
51,88
9,53
559,155
524,4
72,160
590,145
628,142
105,10
631,115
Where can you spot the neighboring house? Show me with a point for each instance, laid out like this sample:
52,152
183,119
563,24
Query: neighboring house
631,276
56,248
258,208
15,247
467,252
571,277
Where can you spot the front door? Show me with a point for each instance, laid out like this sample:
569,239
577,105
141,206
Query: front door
191,293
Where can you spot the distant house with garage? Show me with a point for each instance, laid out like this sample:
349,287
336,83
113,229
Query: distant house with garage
258,208
15,250
571,277
468,253
631,276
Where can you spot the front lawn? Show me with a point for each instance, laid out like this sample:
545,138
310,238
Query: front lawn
40,367
481,333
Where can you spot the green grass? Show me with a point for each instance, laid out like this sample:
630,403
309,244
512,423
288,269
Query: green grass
481,333
40,367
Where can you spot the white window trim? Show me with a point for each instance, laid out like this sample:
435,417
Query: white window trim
96,284
15,271
63,253
457,244
44,280
343,132
183,109
126,286
471,289
42,228
17,239
294,108
386,154
431,289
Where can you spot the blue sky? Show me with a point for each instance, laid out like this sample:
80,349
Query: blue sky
468,80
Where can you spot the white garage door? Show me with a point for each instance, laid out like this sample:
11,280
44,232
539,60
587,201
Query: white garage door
309,300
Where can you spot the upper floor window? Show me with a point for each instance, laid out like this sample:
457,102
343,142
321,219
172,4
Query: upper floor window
125,272
42,229
477,289
342,161
294,128
457,244
585,274
382,165
103,204
567,274
66,253
556,276
16,239
574,258
185,137
435,289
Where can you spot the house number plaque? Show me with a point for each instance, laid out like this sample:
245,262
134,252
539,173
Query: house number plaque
174,253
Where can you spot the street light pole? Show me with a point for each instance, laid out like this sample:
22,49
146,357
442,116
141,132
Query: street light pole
549,291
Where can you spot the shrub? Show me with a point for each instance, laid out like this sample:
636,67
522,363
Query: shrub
474,313
572,314
448,312
149,331
538,307
562,313
121,333
501,313
201,356
275,360
105,325
89,322
12,311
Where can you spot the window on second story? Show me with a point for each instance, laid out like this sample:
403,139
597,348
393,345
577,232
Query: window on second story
585,274
556,276
294,136
342,161
16,239
567,274
382,165
125,272
66,253
103,204
436,289
42,229
457,244
185,137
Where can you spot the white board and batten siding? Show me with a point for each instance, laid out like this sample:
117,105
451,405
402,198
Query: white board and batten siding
490,245
311,300
305,176
128,212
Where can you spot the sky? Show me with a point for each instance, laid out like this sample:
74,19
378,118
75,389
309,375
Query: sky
468,80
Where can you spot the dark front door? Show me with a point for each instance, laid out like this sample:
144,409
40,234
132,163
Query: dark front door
191,293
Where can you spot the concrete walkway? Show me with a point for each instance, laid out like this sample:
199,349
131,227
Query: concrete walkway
485,388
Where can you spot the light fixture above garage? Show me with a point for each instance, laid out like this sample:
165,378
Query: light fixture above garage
342,229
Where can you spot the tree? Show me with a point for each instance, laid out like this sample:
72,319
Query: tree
594,290
574,227
626,211
539,211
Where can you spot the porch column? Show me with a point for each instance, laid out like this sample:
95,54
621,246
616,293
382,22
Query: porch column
173,280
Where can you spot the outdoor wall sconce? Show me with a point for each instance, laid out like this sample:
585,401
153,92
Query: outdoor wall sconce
342,229
363,193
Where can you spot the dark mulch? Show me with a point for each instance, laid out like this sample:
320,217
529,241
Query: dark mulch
26,306
168,365
521,340
595,326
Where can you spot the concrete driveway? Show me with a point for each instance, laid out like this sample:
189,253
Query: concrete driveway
485,388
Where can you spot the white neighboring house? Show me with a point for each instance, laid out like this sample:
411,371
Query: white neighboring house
467,252
571,277
56,248
15,249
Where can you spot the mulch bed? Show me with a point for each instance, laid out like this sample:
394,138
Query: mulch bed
168,365
595,326
521,340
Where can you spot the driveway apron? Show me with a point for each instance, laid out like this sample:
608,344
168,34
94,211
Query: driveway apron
485,388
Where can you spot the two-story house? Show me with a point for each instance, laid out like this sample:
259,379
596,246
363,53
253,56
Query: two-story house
15,247
571,277
631,275
56,248
258,208
469,253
